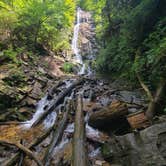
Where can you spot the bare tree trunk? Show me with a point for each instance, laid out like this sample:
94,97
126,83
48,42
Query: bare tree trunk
79,150
151,111
154,100
146,89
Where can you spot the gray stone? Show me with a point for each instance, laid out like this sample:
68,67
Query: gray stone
144,148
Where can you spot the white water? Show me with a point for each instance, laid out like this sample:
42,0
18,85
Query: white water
75,48
85,69
39,110
90,132
95,153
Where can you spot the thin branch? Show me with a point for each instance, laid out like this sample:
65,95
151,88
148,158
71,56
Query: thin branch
25,150
146,89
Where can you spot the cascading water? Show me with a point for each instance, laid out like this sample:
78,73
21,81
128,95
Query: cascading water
85,68
75,48
45,102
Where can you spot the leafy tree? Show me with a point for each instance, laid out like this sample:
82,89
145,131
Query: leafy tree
45,22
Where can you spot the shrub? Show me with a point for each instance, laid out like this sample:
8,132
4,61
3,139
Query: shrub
68,67
10,55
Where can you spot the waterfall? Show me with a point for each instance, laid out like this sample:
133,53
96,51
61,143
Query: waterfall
75,39
84,68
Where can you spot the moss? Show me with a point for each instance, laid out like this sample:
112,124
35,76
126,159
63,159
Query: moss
106,151
68,67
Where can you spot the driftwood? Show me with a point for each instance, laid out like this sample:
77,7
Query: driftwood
57,134
25,150
108,115
79,150
36,142
57,101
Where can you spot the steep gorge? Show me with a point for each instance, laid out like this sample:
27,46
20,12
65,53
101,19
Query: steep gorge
76,100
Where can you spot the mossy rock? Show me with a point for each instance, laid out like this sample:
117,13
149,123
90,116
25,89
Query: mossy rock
106,151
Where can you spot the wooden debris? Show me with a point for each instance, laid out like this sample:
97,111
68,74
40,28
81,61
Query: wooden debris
25,150
57,135
79,150
57,101
36,142
138,120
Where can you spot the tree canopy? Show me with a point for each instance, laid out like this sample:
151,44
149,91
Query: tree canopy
133,37
32,22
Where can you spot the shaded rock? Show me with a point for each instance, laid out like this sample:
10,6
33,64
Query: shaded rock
144,148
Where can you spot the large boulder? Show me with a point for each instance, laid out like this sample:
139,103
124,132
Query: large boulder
144,148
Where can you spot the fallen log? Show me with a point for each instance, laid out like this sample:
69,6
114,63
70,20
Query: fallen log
57,135
79,150
13,160
12,123
25,150
108,115
57,101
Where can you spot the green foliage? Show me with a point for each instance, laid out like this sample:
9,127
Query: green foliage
132,34
106,151
68,67
10,55
33,22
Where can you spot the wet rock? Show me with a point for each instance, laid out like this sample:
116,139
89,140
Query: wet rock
144,148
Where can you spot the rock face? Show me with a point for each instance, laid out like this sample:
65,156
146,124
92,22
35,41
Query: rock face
87,41
145,148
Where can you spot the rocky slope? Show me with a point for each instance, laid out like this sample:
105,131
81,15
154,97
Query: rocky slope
23,84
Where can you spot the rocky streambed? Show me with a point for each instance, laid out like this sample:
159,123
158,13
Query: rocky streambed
108,139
